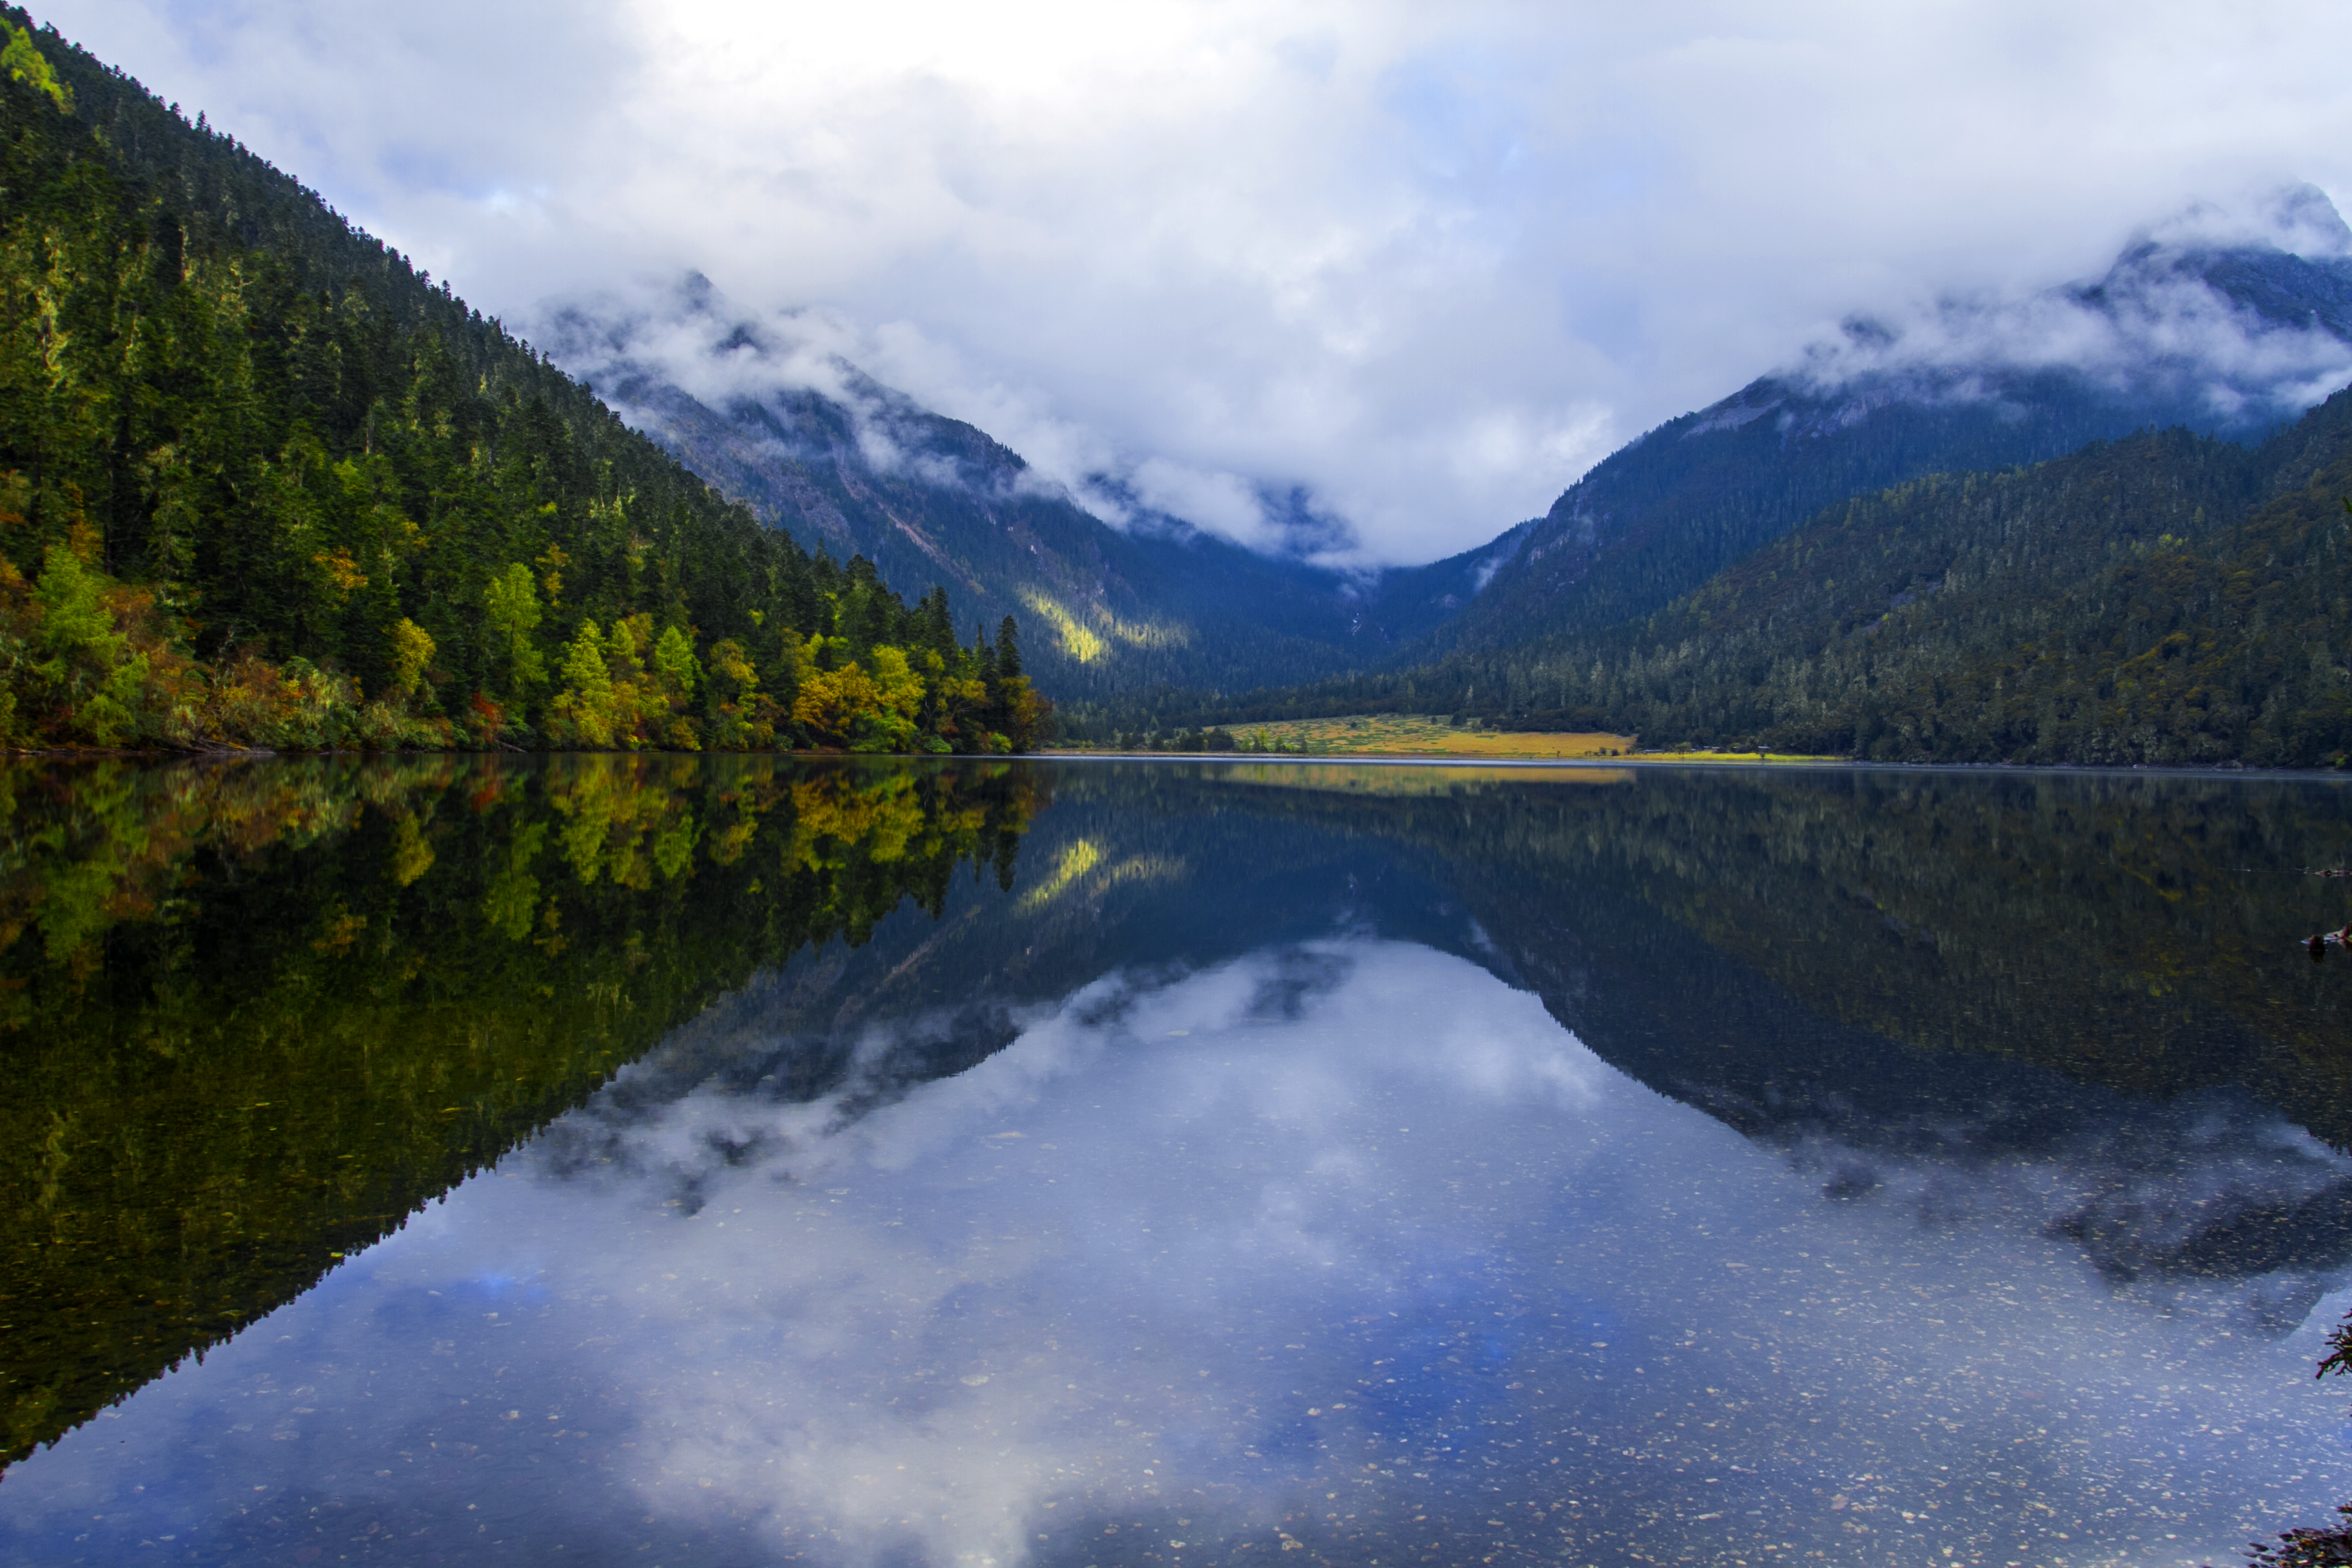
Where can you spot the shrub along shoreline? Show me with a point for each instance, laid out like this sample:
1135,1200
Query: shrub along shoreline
89,664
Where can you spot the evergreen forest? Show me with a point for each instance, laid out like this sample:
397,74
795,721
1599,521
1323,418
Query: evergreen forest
1666,512
263,483
2164,599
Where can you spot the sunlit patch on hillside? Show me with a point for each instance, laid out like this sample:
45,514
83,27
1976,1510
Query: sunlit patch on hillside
1090,640
1077,641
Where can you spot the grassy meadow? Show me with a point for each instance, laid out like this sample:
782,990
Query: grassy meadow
1419,735
1422,735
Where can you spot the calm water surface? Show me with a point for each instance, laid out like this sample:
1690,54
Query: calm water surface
716,1162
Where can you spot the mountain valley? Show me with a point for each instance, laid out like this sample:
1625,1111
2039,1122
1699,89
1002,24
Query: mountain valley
275,486
854,467
1159,626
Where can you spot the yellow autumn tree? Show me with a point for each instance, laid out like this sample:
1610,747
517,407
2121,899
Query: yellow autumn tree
582,713
412,655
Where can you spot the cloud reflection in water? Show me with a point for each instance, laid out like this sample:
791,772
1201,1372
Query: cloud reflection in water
1214,1246
1057,1278
1345,1243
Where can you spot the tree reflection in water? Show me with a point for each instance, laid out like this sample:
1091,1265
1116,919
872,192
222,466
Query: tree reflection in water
1851,1164
257,1014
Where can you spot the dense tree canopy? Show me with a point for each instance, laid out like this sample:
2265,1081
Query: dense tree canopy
2165,598
263,481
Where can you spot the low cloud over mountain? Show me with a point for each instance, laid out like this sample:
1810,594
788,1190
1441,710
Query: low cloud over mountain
2240,313
1116,592
1429,264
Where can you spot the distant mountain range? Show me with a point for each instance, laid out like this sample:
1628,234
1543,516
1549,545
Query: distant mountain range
1916,554
445,538
2230,332
842,463
2164,599
2225,338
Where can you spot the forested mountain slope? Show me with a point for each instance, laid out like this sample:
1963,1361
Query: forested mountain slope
1669,511
2167,598
857,466
260,481
2114,606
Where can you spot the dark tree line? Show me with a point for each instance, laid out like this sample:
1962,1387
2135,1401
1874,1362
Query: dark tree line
2163,598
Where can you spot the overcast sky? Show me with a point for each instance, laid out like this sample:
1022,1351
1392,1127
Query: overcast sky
1429,261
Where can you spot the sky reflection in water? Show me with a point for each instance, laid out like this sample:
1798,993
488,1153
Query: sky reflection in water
1344,1244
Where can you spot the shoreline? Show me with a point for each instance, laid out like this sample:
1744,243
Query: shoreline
1668,759
1325,759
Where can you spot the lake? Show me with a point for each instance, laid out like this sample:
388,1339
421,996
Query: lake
732,1161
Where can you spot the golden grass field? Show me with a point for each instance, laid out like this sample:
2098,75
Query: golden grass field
1420,735
1414,735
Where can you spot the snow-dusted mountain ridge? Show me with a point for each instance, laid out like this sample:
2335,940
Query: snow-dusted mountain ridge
2228,323
817,448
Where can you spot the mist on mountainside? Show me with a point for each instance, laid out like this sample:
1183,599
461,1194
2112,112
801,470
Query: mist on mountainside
2229,317
1982,536
1121,597
2229,322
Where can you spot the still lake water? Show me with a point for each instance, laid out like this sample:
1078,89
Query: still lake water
725,1161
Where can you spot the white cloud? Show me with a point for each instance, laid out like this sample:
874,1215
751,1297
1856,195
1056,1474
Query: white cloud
1428,261
1222,501
2151,326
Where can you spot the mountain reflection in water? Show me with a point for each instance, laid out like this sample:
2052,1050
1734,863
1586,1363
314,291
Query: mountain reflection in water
1403,1168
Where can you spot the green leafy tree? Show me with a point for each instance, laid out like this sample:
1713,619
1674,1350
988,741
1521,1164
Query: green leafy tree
85,663
21,61
412,653
586,709
511,602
